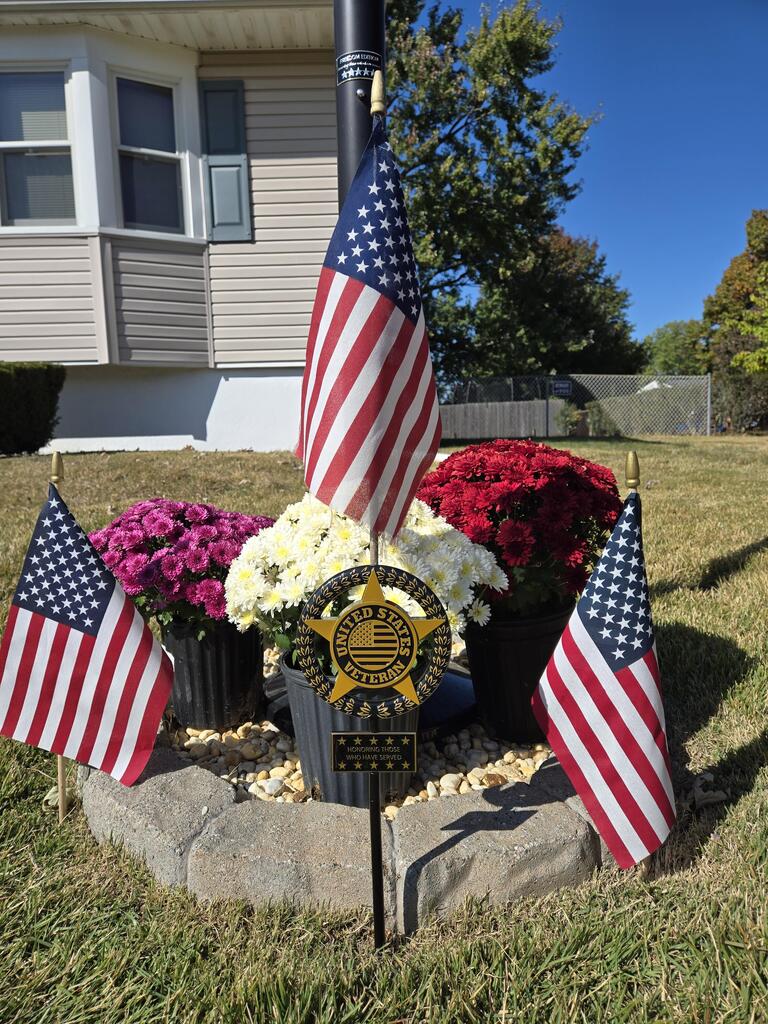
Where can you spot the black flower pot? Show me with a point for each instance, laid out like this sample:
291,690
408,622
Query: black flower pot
314,720
218,682
506,660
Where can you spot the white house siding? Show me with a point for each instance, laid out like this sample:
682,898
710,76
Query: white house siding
262,291
47,299
160,302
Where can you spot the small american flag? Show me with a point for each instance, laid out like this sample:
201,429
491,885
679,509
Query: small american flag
80,672
370,424
599,702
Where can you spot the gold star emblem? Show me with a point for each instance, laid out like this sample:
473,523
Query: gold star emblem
342,765
358,765
342,741
373,766
374,643
390,764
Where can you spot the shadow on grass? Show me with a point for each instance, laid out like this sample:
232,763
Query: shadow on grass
717,572
698,670
735,775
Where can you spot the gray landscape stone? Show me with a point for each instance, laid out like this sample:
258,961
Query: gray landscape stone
158,817
311,854
552,779
505,843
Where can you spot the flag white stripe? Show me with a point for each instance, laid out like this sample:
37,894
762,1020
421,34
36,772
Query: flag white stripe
15,649
116,688
100,648
624,706
61,688
642,674
606,738
35,679
382,489
138,707
331,302
419,452
603,794
362,309
363,384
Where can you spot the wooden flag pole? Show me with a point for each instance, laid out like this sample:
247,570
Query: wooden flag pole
57,475
632,477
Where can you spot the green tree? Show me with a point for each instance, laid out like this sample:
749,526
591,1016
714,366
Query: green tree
736,318
677,347
487,157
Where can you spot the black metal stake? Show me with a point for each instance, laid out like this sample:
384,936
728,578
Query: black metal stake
377,870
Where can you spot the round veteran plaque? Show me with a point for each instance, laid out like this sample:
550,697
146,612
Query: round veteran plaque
374,645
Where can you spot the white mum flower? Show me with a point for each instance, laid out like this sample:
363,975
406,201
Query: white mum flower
479,612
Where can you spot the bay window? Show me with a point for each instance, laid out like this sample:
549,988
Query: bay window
36,185
150,163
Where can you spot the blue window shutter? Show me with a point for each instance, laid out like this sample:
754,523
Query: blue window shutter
225,163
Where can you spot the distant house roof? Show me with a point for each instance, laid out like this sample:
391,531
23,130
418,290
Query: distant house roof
198,24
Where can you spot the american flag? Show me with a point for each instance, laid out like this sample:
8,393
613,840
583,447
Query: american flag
80,672
599,701
370,424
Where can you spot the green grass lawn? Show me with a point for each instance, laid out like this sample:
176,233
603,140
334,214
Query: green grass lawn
89,938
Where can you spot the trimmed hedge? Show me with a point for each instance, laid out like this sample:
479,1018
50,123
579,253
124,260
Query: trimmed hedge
29,400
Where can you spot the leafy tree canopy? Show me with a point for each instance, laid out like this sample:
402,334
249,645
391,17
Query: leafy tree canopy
487,156
736,318
678,347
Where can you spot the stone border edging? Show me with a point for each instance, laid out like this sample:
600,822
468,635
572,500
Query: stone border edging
504,843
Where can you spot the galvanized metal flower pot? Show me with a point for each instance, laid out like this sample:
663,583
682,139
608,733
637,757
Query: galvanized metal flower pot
314,720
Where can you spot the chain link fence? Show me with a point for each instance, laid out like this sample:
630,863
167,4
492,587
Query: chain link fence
581,404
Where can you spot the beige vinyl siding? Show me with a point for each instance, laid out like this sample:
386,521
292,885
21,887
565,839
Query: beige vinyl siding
160,302
47,299
262,292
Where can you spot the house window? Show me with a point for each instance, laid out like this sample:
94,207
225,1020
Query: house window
150,165
35,160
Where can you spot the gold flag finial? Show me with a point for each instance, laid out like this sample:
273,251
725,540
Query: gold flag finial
57,469
632,471
378,103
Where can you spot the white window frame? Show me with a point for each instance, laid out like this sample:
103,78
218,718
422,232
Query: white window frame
43,145
179,157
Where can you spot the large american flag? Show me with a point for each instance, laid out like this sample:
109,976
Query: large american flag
599,702
370,424
80,672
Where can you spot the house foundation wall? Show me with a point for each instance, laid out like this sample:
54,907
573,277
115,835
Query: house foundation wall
110,408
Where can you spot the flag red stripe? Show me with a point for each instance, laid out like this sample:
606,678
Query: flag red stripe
652,665
571,767
98,700
602,760
323,287
644,708
424,465
6,641
79,672
48,685
132,680
353,366
145,739
28,654
416,435
347,300
613,719
366,417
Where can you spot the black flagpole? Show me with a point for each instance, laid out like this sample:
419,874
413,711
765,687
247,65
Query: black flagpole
358,31
360,40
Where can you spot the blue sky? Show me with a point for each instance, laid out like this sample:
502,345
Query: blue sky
680,156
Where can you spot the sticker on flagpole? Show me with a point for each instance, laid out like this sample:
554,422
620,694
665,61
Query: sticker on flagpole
377,660
357,64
